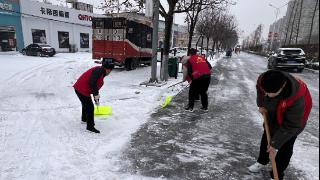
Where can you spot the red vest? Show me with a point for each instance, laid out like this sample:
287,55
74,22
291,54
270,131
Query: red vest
199,66
283,105
82,84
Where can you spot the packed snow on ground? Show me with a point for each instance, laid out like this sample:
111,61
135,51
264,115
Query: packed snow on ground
40,129
41,136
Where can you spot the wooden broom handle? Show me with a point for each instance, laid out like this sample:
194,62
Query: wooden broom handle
272,158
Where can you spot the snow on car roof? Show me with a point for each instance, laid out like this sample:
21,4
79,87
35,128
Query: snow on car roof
290,48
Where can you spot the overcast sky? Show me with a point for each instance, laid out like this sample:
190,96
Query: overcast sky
249,13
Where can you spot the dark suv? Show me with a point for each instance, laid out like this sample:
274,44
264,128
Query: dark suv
287,58
38,50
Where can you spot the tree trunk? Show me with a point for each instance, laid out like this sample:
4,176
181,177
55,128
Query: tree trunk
288,25
314,14
191,31
166,47
298,28
208,39
293,21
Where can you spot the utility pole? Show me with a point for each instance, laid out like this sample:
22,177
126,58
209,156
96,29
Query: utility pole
277,11
155,40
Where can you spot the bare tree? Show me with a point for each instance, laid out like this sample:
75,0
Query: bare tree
299,19
174,6
197,7
289,22
295,9
220,27
312,20
116,6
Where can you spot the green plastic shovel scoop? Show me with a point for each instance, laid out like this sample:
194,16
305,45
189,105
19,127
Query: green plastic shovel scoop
102,111
167,101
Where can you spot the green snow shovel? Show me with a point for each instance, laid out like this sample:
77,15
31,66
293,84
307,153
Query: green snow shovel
167,101
102,111
169,98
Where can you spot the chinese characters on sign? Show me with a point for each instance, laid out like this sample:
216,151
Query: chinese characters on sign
53,12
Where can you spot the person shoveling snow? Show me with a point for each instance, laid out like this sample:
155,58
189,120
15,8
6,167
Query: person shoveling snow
89,83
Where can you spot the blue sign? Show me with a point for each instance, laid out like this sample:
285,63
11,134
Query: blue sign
10,17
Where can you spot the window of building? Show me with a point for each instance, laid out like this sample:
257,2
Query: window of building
84,40
7,38
39,36
63,38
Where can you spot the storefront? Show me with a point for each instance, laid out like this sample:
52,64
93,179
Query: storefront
11,38
60,27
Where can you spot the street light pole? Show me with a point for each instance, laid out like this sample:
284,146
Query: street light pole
277,11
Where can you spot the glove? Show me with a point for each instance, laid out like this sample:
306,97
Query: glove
96,99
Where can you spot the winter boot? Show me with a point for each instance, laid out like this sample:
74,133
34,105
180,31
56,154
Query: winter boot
204,109
92,129
256,167
190,109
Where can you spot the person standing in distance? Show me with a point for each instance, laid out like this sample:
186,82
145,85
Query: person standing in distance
89,83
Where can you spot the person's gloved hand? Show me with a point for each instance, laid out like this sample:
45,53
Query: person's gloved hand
96,99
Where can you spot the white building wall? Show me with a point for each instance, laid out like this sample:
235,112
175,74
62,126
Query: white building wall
33,18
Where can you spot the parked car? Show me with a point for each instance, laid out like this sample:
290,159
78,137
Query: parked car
287,58
313,64
38,50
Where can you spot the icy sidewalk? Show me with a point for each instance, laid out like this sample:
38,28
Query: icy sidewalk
219,144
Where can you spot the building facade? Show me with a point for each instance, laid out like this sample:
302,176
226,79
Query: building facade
295,26
11,37
58,26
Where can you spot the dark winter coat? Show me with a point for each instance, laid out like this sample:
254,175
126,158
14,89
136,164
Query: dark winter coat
91,81
288,112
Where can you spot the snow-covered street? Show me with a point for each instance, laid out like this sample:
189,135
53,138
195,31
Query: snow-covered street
221,144
42,137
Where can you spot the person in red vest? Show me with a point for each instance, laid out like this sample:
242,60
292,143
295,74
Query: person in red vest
89,83
199,76
287,102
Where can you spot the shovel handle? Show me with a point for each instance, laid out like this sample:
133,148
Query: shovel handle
272,158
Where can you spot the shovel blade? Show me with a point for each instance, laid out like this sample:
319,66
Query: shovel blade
167,101
102,110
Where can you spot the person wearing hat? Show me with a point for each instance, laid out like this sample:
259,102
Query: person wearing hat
198,74
89,83
287,102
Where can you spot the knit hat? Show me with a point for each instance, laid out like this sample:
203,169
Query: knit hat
272,81
108,64
193,51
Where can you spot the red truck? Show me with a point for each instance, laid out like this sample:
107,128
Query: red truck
125,38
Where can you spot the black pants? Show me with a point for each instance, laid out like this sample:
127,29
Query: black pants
87,109
283,155
199,87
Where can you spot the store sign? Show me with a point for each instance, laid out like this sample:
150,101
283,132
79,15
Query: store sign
54,12
83,17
